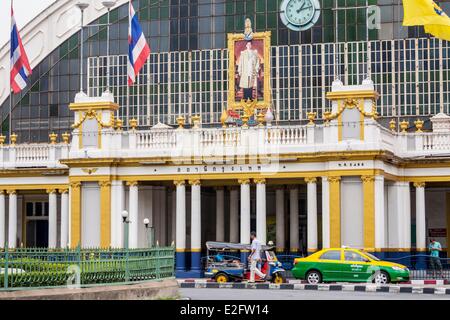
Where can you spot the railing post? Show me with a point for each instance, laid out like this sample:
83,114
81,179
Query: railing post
132,139
52,153
418,142
310,129
12,155
80,265
158,266
127,270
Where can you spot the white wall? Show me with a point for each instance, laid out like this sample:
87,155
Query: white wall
90,214
352,214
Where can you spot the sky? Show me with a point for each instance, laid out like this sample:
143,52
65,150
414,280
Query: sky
24,11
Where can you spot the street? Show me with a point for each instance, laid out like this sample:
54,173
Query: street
252,294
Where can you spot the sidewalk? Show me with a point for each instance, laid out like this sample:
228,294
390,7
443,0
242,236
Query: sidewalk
299,285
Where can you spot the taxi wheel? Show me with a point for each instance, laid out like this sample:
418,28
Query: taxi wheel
222,278
278,279
381,277
314,277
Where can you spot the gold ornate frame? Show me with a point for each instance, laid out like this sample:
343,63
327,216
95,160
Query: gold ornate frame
232,104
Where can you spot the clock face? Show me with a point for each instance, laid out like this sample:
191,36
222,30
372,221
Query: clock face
300,12
300,15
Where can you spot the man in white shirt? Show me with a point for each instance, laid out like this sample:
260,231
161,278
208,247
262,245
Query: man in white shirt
248,70
255,258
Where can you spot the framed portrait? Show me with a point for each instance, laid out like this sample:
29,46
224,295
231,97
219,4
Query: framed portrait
249,70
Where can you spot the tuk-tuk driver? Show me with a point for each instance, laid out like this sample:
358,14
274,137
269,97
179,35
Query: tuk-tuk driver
255,258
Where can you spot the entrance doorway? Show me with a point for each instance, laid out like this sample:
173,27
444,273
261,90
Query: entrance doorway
36,214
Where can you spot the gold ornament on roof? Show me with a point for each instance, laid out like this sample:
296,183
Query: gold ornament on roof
311,117
66,137
13,139
249,107
181,121
53,137
119,124
392,125
133,124
419,125
196,121
404,125
260,118
2,140
91,114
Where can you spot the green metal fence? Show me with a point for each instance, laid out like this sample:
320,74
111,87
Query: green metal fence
36,267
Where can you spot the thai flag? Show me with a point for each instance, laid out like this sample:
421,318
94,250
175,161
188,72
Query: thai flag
138,50
20,67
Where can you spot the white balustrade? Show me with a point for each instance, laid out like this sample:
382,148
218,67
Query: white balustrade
156,139
435,141
30,153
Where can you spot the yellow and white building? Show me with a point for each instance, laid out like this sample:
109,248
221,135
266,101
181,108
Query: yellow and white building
348,181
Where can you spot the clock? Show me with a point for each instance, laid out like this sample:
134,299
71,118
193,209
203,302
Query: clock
300,15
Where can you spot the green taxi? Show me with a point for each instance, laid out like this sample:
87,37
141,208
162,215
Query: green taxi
347,265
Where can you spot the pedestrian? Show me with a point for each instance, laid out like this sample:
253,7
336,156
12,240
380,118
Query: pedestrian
255,258
435,261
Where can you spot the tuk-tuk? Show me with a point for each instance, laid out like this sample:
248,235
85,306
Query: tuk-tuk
224,265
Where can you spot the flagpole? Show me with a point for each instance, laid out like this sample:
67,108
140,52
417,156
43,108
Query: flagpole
10,78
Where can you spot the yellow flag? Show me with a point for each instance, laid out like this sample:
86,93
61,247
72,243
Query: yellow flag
428,14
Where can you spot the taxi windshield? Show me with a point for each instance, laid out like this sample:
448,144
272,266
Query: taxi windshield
371,256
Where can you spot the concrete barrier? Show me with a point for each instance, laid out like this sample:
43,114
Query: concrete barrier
165,289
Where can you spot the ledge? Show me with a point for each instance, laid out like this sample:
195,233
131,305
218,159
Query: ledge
145,290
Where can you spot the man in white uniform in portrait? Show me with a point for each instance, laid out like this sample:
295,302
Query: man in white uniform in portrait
248,70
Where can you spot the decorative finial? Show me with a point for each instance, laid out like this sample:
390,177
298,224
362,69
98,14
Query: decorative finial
419,125
311,117
404,125
13,139
53,137
133,124
196,121
180,122
248,31
392,125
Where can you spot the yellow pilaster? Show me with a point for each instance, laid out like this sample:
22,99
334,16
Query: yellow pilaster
369,211
75,205
335,211
448,224
105,214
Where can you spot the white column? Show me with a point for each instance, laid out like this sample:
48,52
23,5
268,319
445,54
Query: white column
163,217
52,222
2,219
245,211
325,213
380,237
220,211
64,218
407,215
196,218
181,216
12,229
312,214
293,223
173,220
234,215
261,228
420,216
133,214
280,219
